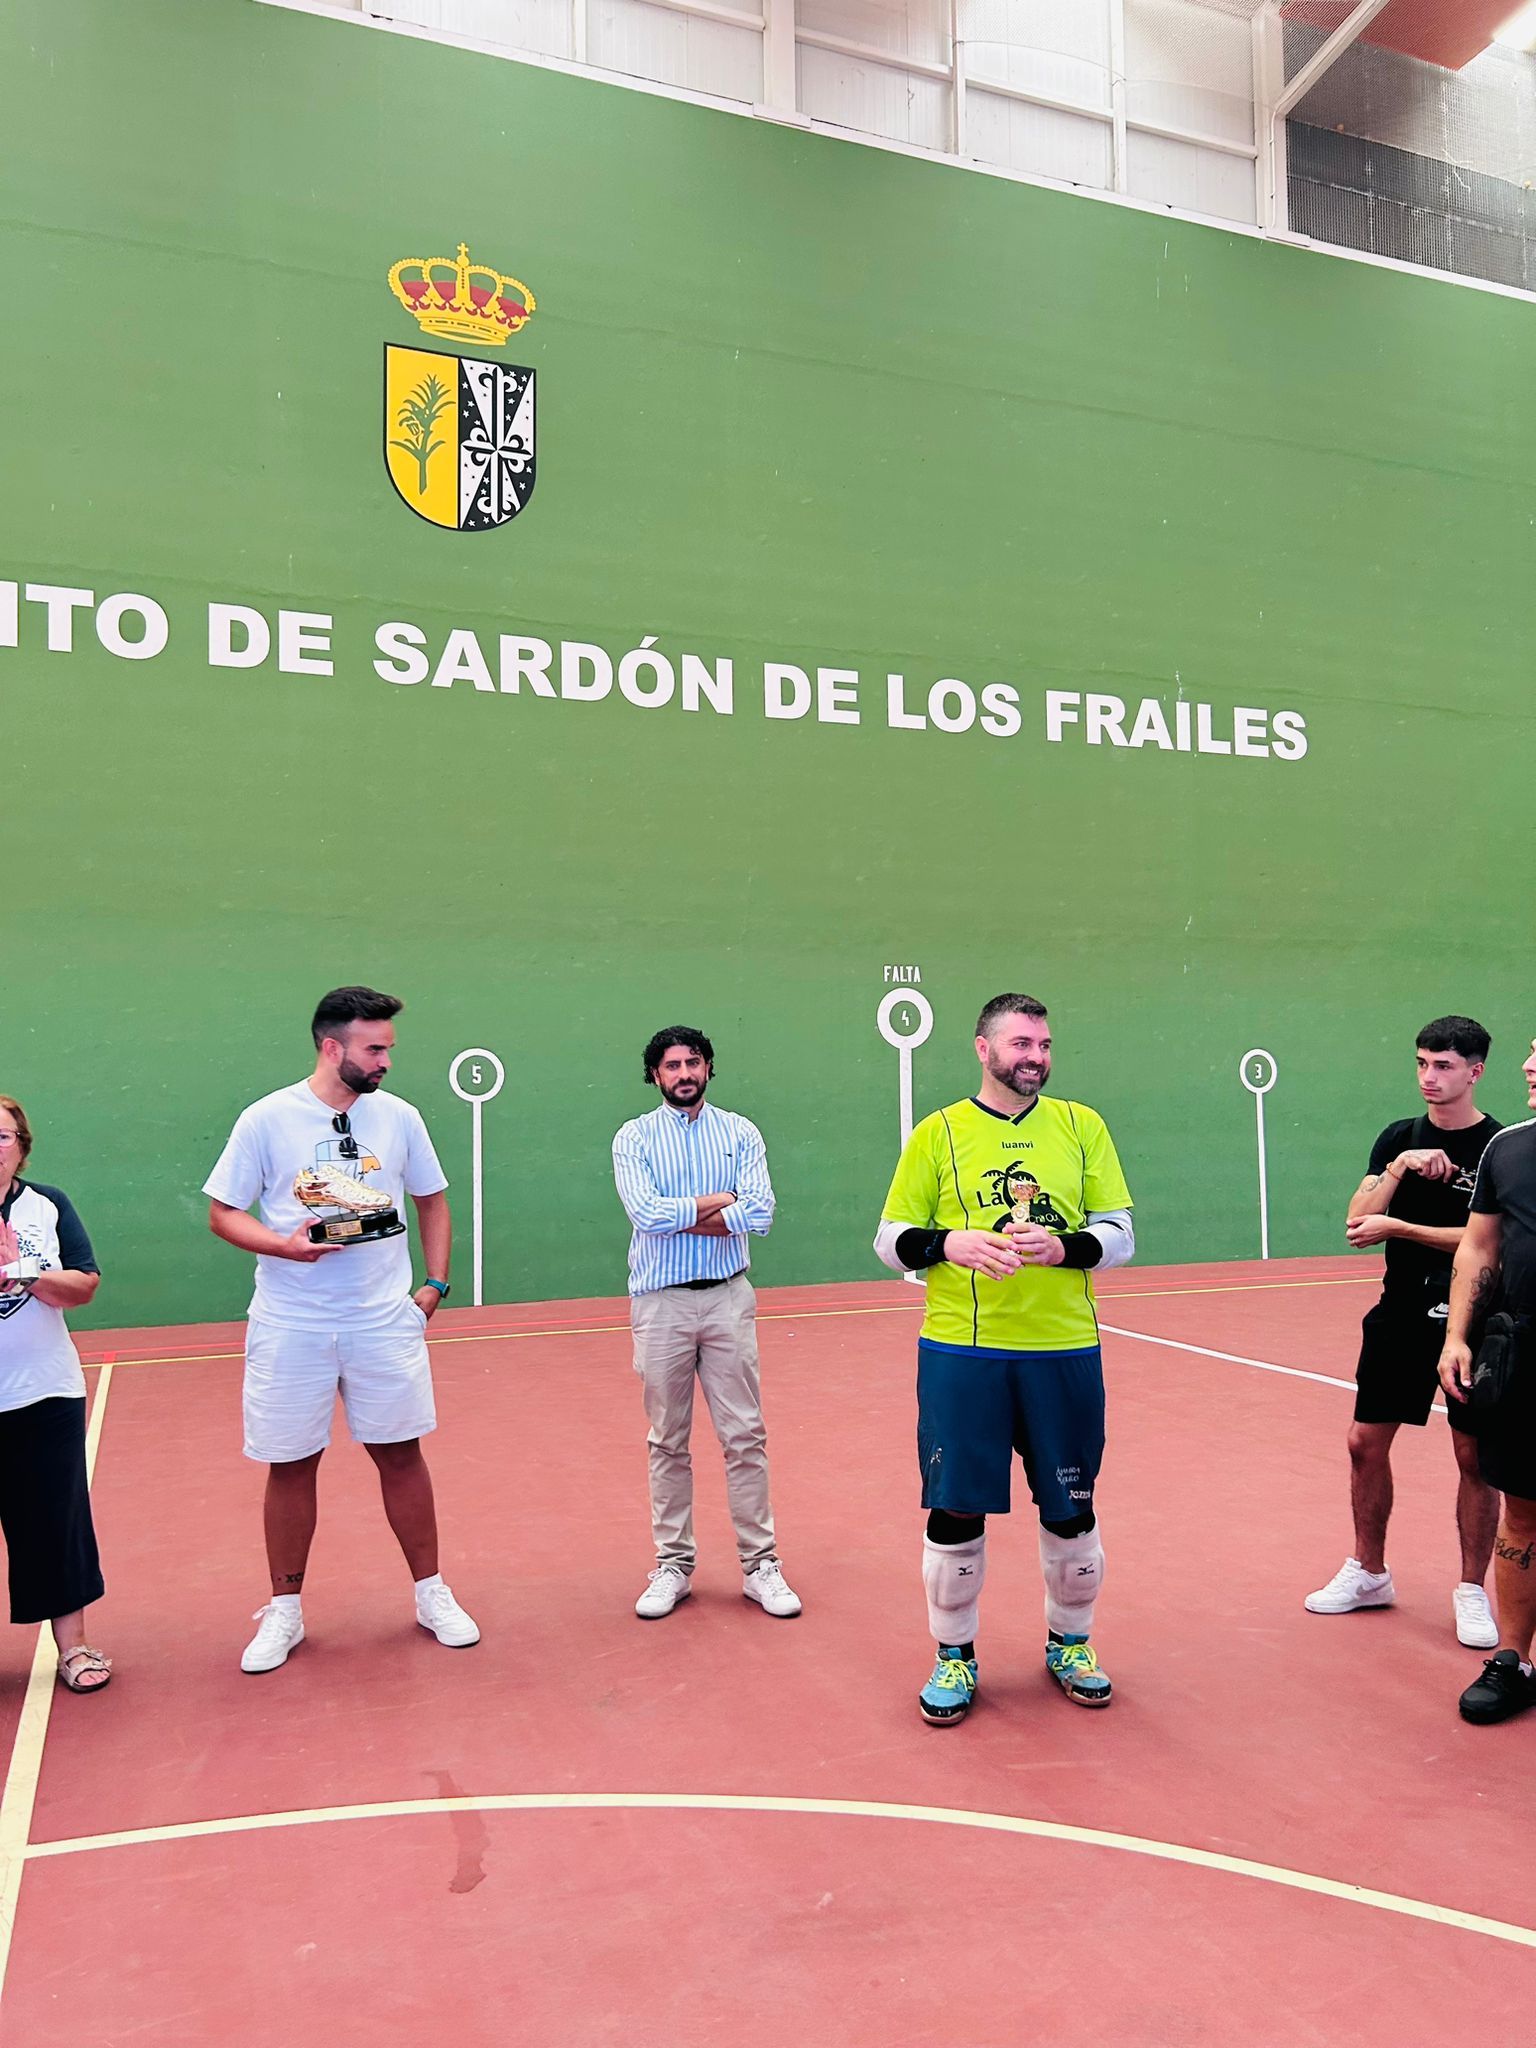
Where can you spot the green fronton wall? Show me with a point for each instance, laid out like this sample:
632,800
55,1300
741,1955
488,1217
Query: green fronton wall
801,402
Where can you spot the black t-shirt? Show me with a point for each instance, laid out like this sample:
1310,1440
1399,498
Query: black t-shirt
1506,1186
1416,1270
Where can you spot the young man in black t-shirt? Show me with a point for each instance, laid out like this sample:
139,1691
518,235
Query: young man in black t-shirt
1496,1269
1414,1201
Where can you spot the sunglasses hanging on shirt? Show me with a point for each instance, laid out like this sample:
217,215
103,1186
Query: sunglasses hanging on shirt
349,1211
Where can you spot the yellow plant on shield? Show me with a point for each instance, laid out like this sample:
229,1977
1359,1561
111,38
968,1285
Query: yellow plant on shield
421,440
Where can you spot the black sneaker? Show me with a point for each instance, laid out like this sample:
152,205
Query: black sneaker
1502,1691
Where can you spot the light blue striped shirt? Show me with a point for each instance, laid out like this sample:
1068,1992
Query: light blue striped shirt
662,1163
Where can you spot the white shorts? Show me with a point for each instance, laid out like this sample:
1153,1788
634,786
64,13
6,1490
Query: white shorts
292,1378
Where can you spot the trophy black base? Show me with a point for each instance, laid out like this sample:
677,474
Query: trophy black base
360,1229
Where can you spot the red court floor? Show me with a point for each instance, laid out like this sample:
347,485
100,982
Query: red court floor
721,1828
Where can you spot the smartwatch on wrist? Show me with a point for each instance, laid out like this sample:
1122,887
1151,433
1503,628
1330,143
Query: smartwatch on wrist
443,1289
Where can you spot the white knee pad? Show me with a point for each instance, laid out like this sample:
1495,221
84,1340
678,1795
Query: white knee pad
1073,1568
952,1578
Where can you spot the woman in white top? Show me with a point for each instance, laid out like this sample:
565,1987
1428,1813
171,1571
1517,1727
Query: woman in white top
45,1507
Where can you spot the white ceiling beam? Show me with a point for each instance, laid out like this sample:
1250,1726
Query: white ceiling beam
1321,59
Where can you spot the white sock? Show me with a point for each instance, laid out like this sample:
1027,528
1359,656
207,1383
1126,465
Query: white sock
953,1574
426,1585
286,1603
1073,1567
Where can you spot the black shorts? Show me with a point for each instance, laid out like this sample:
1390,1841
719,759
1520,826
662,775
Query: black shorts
1396,1379
1506,1435
1507,1461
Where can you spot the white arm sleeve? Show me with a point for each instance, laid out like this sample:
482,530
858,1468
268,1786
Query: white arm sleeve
1116,1233
885,1242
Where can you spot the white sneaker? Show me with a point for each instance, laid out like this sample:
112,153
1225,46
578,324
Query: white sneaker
282,1630
1475,1625
768,1587
663,1590
437,1610
1350,1587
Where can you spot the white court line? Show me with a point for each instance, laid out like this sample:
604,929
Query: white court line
1292,1372
780,1315
20,1795
858,1809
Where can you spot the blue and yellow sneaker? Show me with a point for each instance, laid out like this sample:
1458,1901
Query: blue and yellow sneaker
1075,1669
947,1696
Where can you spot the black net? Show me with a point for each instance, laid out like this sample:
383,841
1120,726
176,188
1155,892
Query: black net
1401,158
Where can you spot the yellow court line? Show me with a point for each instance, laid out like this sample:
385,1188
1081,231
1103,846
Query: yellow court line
899,1308
856,1809
20,1795
798,1315
1235,1287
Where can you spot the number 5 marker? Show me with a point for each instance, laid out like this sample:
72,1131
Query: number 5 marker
477,1086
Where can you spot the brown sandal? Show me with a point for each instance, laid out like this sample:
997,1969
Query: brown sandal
80,1662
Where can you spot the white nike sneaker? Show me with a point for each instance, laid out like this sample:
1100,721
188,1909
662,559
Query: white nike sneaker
1350,1587
437,1610
1475,1625
282,1630
768,1587
664,1589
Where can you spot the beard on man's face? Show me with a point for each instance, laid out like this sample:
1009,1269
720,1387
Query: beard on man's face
1024,1077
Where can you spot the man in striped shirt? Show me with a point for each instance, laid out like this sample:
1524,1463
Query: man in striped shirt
694,1182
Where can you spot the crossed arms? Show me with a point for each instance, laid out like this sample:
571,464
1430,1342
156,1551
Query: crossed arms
748,1207
1367,1221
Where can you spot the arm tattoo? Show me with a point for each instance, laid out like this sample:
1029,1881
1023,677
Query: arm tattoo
1521,1559
1482,1288
1371,1183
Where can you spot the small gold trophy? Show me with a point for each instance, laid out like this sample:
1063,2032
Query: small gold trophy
349,1211
20,1273
1025,1189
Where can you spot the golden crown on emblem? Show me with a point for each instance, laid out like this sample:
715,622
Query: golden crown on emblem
471,303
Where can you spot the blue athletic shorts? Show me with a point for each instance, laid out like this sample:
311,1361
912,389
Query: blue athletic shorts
976,1408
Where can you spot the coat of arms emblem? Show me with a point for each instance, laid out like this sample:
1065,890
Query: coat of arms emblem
459,430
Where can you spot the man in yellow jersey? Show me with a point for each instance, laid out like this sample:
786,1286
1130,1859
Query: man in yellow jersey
1008,1359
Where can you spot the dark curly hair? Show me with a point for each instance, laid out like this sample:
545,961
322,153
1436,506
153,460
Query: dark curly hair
661,1042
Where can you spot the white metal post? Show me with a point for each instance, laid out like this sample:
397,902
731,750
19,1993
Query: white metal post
1274,212
1119,168
485,1077
779,87
904,1042
1258,1071
957,77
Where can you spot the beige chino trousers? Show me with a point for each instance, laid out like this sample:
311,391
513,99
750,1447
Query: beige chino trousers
708,1335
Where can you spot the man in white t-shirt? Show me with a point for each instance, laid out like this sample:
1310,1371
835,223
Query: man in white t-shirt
327,1318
